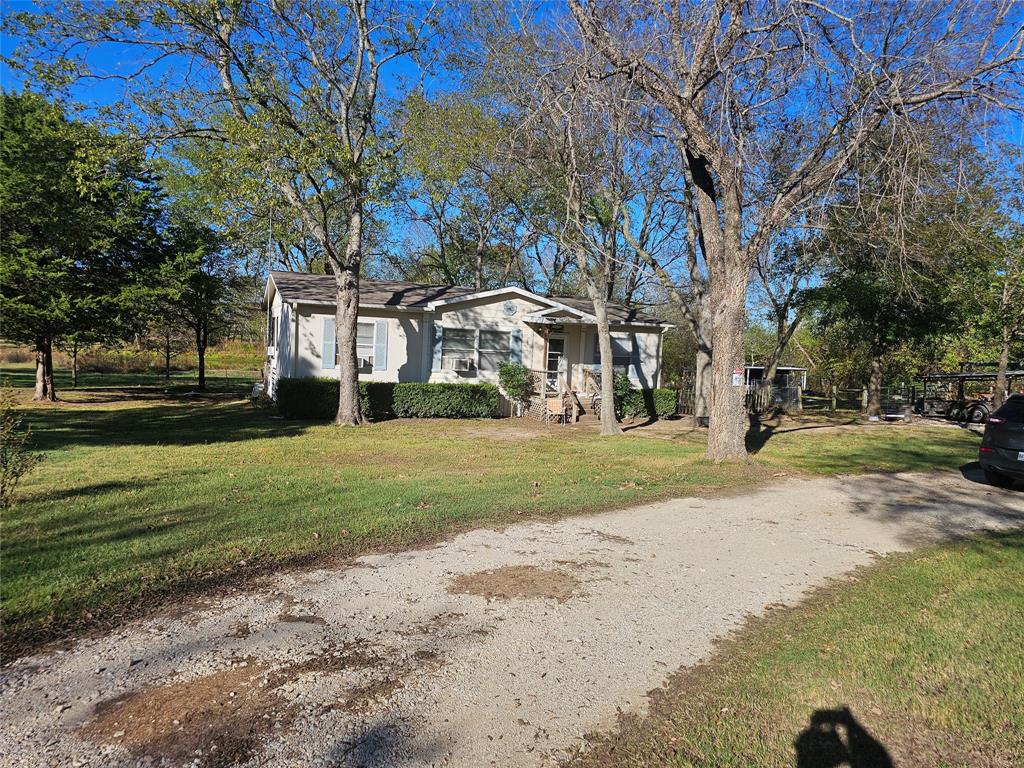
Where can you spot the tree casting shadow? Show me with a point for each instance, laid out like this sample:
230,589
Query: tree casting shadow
834,738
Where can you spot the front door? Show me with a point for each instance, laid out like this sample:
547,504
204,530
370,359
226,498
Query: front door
556,355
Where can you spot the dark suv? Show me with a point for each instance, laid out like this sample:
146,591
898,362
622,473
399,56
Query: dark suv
1002,446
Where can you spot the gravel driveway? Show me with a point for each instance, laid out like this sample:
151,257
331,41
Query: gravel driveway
495,648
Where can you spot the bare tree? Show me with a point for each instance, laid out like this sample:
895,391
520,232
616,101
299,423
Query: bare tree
669,190
581,128
285,94
772,99
784,274
574,134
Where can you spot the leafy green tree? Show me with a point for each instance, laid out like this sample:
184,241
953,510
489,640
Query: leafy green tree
286,96
990,280
460,184
80,221
201,285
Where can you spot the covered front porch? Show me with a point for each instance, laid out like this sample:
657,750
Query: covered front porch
567,381
566,364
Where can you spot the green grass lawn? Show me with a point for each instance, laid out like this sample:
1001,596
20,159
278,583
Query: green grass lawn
240,380
921,657
148,494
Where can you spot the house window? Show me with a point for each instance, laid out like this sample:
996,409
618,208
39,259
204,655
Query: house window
495,348
271,331
457,343
364,344
487,349
622,350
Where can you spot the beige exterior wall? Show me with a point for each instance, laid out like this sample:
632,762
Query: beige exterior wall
404,344
487,314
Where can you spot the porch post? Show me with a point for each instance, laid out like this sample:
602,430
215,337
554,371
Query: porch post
544,364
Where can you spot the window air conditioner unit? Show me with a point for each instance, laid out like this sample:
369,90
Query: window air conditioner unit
462,364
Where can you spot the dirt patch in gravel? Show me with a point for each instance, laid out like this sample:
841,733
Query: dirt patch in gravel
611,538
513,581
221,719
301,618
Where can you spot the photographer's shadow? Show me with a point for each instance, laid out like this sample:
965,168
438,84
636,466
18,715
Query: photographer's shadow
834,738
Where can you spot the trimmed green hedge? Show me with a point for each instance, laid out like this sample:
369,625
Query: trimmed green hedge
652,403
318,399
446,401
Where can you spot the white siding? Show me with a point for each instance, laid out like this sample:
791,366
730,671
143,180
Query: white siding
274,371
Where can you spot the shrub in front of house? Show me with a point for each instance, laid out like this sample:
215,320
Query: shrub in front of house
516,381
318,399
649,403
446,401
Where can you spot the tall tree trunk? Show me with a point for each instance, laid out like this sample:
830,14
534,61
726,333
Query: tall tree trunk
783,334
74,365
201,339
875,385
51,390
479,277
346,278
728,266
167,355
702,372
999,395
727,425
609,423
771,365
41,391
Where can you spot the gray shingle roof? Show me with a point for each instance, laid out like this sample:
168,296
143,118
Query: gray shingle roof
299,286
303,287
617,313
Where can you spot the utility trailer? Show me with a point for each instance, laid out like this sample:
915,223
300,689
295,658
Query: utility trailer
965,395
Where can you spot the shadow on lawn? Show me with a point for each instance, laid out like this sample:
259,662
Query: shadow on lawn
192,423
834,738
761,432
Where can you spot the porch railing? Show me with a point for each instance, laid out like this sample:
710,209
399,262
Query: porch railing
549,383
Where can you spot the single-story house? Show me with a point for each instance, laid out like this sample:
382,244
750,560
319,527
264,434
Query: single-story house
444,333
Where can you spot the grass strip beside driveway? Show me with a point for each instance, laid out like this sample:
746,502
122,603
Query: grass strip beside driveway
918,663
